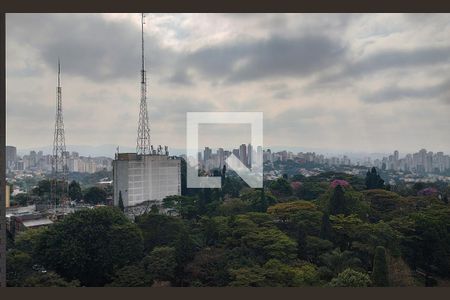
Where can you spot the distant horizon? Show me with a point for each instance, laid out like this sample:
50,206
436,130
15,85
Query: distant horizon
97,151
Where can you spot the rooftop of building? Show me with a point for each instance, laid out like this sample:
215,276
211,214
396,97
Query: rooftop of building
128,156
37,222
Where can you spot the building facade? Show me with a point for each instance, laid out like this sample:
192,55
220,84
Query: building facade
140,178
11,157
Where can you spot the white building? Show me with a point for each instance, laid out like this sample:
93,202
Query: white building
141,178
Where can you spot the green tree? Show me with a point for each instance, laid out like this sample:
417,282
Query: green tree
49,279
274,273
184,252
42,188
295,214
95,195
426,239
279,274
21,199
310,190
315,247
281,187
305,275
351,278
373,180
131,276
160,230
345,229
337,201
121,206
208,268
232,186
337,261
247,277
268,243
385,205
233,206
380,268
161,263
90,244
325,227
258,200
19,267
184,206
75,191
154,209
27,241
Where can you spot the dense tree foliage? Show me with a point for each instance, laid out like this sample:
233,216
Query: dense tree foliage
89,245
95,195
373,180
324,230
351,278
131,276
49,279
75,191
161,263
380,268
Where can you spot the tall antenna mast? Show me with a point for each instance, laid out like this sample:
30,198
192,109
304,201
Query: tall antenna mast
143,134
59,160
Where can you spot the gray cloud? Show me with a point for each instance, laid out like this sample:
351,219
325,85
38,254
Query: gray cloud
387,60
89,46
180,77
174,109
395,93
273,57
391,59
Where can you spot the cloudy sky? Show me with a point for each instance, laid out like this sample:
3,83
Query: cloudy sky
355,82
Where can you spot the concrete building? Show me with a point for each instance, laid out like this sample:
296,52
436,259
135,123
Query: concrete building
19,221
207,154
11,157
141,178
243,154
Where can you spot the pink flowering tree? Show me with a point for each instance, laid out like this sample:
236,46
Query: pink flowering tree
296,185
427,192
342,183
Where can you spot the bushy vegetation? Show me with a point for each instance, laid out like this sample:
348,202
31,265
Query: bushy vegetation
340,234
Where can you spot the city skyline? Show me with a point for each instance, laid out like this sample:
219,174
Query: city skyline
423,160
294,73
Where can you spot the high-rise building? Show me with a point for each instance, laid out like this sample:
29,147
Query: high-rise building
236,153
249,154
207,154
139,178
221,157
243,154
11,157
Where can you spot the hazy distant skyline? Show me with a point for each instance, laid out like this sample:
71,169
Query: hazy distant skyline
361,82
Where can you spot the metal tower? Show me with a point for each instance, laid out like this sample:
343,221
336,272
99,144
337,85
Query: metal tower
59,158
143,135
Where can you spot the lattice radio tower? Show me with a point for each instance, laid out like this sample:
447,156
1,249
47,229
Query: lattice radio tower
143,135
59,159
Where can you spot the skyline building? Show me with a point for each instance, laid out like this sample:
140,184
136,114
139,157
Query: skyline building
243,154
11,157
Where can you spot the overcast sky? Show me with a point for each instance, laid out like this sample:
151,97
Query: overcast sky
358,82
